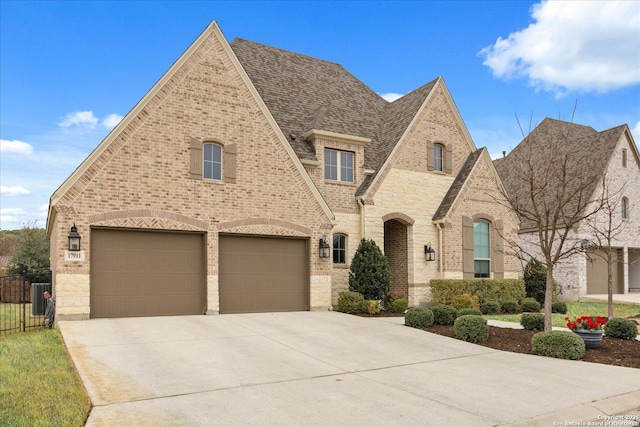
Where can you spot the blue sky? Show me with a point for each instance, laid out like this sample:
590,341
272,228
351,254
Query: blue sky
69,71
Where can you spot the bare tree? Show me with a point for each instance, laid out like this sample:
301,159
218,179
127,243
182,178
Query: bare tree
604,229
549,183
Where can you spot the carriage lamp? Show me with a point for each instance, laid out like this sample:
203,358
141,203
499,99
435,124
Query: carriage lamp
429,252
74,239
324,248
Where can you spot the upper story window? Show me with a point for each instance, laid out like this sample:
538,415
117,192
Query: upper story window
212,161
338,165
438,157
624,208
481,248
339,249
624,157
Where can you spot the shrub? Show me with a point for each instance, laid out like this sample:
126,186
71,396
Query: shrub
350,302
444,290
490,307
558,344
559,307
509,307
399,305
389,299
532,321
369,273
621,328
465,301
471,328
444,314
530,305
469,312
371,306
535,280
418,317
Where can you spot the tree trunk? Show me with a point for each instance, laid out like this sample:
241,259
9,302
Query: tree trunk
548,298
609,285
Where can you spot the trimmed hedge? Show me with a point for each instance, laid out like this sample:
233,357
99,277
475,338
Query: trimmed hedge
471,328
559,307
558,344
530,305
621,328
469,312
532,321
350,302
444,314
490,307
399,305
509,307
418,317
443,291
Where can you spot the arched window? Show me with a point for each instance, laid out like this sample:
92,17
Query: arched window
481,248
212,157
339,249
438,157
624,207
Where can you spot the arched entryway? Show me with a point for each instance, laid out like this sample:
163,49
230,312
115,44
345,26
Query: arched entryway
395,249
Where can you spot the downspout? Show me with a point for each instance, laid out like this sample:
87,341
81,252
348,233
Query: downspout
362,216
441,258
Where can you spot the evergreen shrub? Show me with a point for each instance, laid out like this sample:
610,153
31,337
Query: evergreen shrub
558,344
471,328
444,314
625,329
369,273
418,317
530,305
350,302
510,307
532,321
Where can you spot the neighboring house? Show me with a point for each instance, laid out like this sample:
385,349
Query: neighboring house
611,157
218,190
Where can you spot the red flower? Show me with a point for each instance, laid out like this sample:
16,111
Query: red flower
586,322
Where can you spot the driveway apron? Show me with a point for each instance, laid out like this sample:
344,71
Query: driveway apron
326,368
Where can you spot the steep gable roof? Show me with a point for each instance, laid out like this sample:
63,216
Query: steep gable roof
588,150
165,85
304,93
458,184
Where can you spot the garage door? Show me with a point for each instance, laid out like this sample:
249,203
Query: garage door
263,274
146,273
597,275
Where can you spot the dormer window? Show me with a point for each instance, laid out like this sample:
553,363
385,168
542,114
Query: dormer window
338,165
439,157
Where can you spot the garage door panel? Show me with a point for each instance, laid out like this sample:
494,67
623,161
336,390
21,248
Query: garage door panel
145,273
261,274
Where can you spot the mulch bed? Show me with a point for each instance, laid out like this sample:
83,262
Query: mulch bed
612,351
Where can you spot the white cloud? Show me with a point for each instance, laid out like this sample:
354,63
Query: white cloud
83,120
111,120
12,211
635,131
13,190
390,97
588,46
15,147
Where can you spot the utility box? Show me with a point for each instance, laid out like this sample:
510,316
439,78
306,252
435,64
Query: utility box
38,304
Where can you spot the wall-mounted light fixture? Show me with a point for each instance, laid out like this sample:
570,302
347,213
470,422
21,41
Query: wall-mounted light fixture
324,250
74,239
429,252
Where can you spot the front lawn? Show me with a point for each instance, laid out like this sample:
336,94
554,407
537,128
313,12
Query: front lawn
577,309
39,386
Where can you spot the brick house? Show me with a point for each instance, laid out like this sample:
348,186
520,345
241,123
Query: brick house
216,192
607,160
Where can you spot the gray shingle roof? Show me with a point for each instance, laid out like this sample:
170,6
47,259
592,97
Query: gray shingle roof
588,153
304,93
458,183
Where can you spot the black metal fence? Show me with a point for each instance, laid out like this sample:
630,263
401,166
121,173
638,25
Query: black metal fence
22,303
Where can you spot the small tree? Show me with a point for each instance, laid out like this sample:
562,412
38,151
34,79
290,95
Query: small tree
369,273
32,251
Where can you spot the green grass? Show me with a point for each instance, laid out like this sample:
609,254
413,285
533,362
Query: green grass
38,383
10,315
577,309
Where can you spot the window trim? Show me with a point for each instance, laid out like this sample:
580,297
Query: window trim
339,166
438,147
205,161
624,208
337,250
476,274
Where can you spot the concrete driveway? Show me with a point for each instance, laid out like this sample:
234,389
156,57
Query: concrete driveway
329,369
